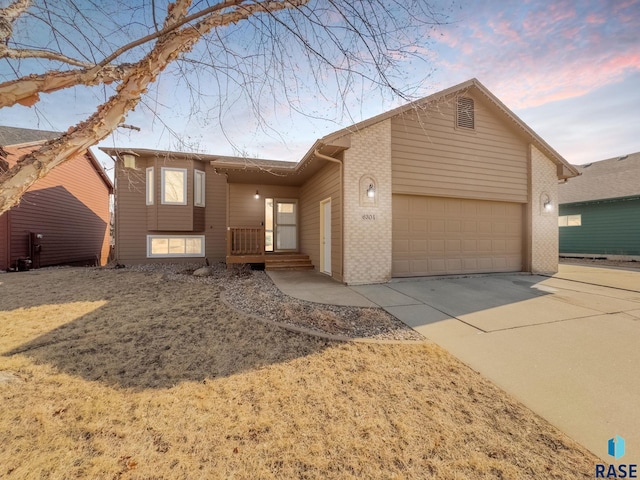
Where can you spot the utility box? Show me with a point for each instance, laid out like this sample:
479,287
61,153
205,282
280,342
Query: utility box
35,248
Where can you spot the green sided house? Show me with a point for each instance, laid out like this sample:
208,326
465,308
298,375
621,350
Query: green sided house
599,212
454,183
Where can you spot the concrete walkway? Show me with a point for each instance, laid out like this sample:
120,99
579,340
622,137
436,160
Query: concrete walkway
565,346
315,287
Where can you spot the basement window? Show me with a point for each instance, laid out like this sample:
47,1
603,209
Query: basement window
465,115
170,246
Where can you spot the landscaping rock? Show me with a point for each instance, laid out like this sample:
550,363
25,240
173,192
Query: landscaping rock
203,272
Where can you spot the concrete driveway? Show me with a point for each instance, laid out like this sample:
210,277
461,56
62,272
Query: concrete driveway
568,347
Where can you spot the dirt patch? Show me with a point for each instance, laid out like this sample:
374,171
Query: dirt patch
130,375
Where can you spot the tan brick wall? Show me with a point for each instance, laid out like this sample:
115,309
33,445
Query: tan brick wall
367,224
544,225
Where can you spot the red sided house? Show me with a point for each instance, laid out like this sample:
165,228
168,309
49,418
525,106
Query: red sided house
63,218
454,183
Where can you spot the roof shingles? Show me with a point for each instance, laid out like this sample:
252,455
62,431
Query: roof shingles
612,178
17,136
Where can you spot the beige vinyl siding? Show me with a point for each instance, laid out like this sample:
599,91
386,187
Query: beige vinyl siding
70,208
247,211
215,219
131,213
430,156
325,184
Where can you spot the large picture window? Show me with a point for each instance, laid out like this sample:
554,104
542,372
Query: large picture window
174,186
198,188
167,246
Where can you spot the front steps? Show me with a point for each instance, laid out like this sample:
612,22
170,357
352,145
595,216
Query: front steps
287,261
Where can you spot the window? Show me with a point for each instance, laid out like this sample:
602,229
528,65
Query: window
465,116
174,186
166,246
570,220
198,188
150,186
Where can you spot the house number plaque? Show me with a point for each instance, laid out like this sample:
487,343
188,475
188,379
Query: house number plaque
368,216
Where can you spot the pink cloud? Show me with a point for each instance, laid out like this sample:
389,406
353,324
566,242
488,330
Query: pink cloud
547,19
595,19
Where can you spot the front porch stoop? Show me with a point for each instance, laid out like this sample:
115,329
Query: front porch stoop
287,261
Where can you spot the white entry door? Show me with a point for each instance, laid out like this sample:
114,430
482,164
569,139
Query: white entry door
325,236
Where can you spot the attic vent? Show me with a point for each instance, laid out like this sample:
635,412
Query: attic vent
586,165
624,157
465,113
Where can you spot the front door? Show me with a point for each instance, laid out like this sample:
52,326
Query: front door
325,236
285,225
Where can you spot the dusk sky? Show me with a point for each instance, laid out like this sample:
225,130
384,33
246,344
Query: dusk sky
569,69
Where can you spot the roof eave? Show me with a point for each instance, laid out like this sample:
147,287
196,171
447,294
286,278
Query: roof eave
103,175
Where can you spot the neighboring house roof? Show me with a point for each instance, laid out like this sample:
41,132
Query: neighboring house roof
20,141
612,178
17,136
338,141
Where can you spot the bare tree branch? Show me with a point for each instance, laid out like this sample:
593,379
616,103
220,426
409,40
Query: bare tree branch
14,53
37,164
9,15
25,91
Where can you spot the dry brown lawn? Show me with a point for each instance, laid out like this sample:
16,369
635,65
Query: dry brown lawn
129,375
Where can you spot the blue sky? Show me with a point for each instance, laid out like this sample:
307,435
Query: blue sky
569,69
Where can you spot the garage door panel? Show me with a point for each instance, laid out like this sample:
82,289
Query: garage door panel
470,245
436,226
436,265
437,235
418,225
454,265
436,247
418,246
484,245
470,226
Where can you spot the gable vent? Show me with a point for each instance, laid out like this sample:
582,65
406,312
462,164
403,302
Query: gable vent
465,114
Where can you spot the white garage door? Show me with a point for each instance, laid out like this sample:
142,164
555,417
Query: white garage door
438,236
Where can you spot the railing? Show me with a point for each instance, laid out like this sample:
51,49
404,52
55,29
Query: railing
245,242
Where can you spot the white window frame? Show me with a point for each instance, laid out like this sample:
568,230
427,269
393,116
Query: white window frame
162,185
150,190
570,220
199,188
150,239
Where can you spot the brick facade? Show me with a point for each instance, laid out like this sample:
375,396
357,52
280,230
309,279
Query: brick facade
544,224
367,222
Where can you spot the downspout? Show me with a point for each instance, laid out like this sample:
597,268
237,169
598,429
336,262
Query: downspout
317,153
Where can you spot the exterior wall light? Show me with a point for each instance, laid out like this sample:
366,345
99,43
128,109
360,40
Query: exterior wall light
257,195
371,192
547,204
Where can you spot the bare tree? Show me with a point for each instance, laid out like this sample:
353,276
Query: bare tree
258,46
